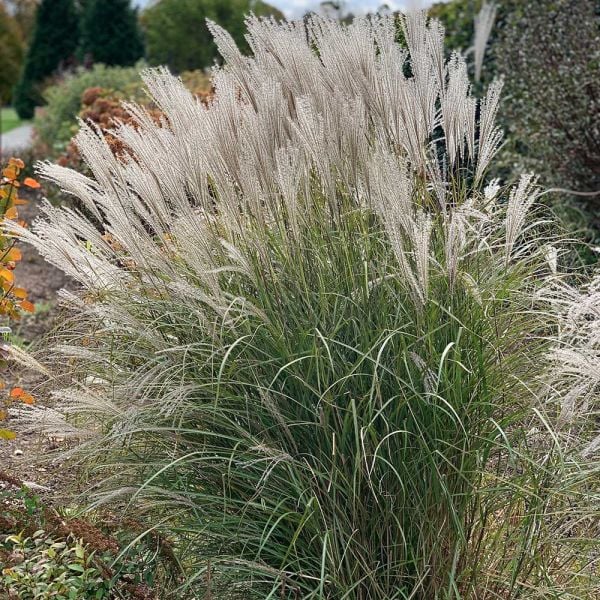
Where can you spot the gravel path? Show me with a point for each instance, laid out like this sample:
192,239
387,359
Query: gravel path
17,139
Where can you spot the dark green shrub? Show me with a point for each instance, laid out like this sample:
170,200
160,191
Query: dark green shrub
457,17
549,54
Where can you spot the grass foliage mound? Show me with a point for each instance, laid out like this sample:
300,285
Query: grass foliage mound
312,339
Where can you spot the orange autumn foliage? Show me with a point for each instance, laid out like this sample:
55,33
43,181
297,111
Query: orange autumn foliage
11,302
21,394
32,183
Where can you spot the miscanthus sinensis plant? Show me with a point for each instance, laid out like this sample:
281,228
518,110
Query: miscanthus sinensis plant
308,338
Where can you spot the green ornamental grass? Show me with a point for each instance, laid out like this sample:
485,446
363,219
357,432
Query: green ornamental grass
312,340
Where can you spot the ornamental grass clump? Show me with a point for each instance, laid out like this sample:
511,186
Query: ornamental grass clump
308,338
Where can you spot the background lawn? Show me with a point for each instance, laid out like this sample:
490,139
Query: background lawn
10,120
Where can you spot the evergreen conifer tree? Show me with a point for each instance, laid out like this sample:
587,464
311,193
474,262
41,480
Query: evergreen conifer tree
54,41
110,32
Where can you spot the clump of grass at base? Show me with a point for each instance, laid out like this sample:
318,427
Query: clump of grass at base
311,338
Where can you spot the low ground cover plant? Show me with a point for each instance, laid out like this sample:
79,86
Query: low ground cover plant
47,554
41,567
313,338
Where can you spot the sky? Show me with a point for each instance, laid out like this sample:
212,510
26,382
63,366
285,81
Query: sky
296,8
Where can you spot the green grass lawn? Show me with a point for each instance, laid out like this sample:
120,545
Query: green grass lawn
10,120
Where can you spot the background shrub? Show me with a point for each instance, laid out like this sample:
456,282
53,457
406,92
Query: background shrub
71,99
550,109
105,109
23,12
457,16
58,122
